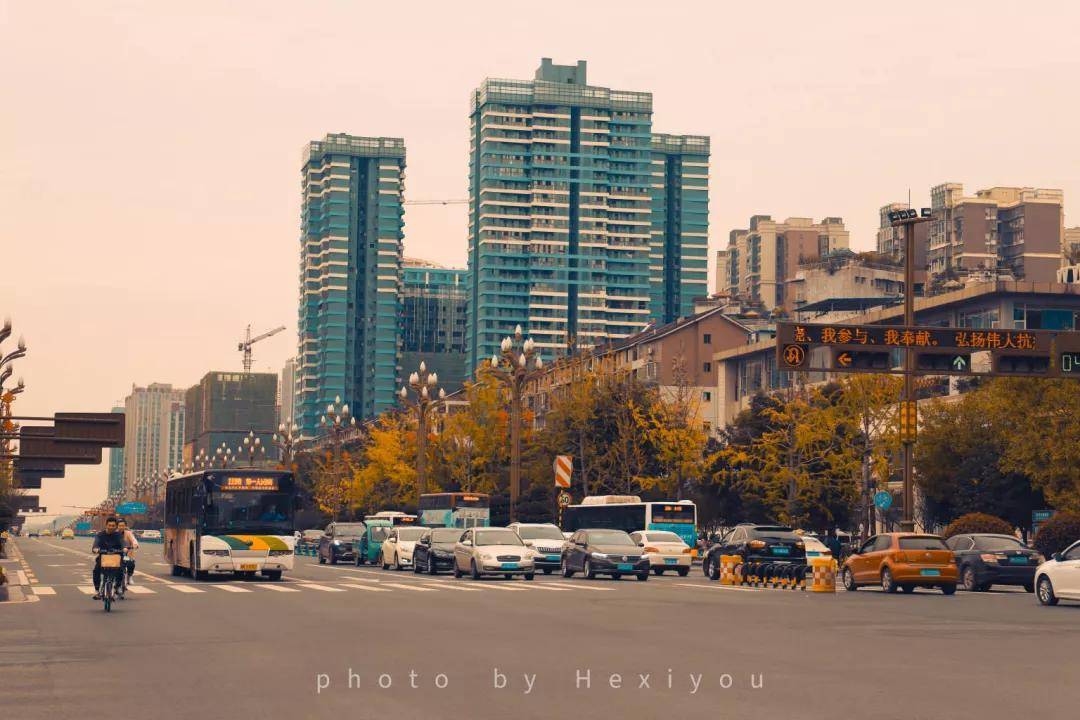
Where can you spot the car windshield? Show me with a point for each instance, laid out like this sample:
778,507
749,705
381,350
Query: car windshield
663,537
410,534
350,529
992,542
610,537
379,532
497,537
445,535
922,543
549,532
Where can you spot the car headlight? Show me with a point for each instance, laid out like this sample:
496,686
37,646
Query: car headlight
218,553
599,556
337,542
280,552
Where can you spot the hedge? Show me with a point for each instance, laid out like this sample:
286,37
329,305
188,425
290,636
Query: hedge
1058,533
978,523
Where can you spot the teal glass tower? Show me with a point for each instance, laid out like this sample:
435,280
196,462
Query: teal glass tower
679,247
562,191
350,281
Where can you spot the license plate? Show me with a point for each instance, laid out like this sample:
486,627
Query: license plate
626,567
1018,560
553,558
930,573
671,561
509,566
249,567
781,551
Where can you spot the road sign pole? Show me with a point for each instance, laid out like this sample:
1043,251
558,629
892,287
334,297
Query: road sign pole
908,522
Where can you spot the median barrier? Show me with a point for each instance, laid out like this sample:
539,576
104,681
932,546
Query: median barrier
727,569
822,575
779,576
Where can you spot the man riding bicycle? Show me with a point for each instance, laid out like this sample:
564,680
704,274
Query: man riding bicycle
131,544
108,540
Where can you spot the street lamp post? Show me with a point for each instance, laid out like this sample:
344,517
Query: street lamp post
337,420
518,362
286,439
224,455
423,385
254,446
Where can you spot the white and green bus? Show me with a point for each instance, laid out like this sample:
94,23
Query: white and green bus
630,513
232,521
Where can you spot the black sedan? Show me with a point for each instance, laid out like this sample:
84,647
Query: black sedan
341,541
985,560
604,552
434,550
756,543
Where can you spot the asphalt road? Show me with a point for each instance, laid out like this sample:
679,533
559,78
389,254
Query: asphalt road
228,648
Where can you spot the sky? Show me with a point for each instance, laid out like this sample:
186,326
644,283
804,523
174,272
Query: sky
151,151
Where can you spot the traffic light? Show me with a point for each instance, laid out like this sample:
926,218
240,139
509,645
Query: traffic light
943,362
909,421
1021,364
866,360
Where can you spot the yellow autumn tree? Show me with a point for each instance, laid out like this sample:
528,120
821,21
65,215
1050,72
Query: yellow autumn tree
386,478
332,479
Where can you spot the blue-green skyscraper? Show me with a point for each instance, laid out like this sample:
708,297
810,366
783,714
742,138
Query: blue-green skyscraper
350,282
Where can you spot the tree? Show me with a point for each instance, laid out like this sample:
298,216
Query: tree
537,503
471,451
331,481
387,475
978,523
675,430
1058,533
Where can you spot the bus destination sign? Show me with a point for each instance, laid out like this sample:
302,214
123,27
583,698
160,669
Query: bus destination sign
245,482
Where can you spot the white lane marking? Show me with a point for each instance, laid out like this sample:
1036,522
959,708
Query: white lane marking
21,576
86,589
313,586
579,586
504,587
277,588
140,590
44,590
364,587
415,588
349,569
185,588
161,564
451,586
719,587
545,586
230,588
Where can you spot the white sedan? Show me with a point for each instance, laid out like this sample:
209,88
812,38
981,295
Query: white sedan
1059,577
815,548
492,551
397,548
665,550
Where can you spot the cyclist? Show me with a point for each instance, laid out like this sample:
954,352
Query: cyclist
131,544
109,539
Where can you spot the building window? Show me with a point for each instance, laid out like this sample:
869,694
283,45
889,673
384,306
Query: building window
708,339
706,396
706,367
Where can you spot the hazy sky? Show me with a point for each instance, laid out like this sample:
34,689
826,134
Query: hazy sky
150,175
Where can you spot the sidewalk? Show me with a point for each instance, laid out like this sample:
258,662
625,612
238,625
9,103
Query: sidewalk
17,583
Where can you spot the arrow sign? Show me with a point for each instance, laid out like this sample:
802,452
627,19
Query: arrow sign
844,359
959,363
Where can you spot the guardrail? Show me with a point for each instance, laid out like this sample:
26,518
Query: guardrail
818,575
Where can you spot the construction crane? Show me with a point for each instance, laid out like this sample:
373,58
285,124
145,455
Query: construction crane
248,341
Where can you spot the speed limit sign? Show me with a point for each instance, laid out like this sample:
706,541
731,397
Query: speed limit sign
564,499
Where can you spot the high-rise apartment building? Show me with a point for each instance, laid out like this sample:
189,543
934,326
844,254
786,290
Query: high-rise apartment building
287,392
116,464
560,211
759,261
154,431
224,407
679,244
433,328
349,336
1014,230
1071,244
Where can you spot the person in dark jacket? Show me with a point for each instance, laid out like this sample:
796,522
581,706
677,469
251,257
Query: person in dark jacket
109,540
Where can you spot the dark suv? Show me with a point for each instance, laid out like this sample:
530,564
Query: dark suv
756,543
341,541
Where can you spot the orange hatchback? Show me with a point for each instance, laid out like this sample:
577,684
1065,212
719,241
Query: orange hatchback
902,561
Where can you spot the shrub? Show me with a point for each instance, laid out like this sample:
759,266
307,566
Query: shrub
1058,533
978,523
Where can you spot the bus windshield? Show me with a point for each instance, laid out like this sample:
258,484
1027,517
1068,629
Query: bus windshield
247,511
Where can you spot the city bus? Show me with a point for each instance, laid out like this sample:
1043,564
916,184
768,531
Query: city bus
236,521
629,513
458,510
395,517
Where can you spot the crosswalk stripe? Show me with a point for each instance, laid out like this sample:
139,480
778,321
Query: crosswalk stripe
230,588
580,586
504,587
44,590
140,590
324,588
718,587
449,586
369,588
277,588
415,588
185,589
545,586
86,589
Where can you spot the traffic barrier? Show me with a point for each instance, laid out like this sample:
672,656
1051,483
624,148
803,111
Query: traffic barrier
727,569
822,572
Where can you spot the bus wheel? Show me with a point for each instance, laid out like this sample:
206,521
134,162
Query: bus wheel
177,571
273,575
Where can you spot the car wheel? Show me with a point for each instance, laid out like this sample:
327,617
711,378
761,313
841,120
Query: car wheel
431,568
1029,587
887,583
273,575
357,561
616,576
968,580
473,571
397,562
547,571
382,559
566,571
908,588
948,589
322,560
683,572
714,569
587,570
333,558
642,577
849,580
529,576
416,566
658,571
1046,592
457,570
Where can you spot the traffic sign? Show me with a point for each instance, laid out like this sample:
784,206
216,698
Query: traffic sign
564,499
862,360
131,508
883,500
944,362
564,468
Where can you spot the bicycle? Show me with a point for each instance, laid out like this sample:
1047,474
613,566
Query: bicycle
112,577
